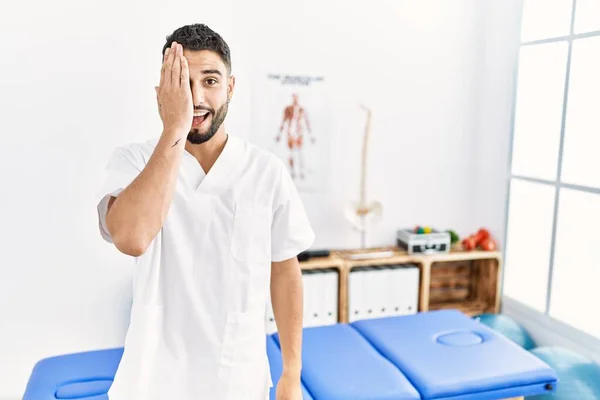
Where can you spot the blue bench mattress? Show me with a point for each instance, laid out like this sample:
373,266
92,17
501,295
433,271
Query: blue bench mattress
339,364
448,355
86,375
440,355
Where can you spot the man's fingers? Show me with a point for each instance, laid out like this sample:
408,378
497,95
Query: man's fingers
162,68
157,101
169,64
176,70
185,72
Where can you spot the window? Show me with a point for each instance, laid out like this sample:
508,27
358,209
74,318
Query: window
587,16
543,19
528,255
539,103
553,212
581,155
576,268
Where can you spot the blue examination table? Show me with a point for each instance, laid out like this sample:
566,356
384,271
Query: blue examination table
433,355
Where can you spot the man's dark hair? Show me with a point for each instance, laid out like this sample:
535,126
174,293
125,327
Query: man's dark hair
200,37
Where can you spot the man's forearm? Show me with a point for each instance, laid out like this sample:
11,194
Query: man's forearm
136,216
287,301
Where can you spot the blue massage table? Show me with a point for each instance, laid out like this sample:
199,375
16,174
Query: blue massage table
447,355
438,355
86,375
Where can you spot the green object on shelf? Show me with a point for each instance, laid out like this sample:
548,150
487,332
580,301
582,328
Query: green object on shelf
454,238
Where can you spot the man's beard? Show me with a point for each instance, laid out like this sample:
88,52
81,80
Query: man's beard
195,137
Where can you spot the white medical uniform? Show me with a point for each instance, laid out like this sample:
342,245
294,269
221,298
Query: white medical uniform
197,328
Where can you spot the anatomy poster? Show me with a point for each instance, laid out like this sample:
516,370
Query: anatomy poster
291,119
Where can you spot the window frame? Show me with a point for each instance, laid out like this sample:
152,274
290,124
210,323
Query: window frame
557,183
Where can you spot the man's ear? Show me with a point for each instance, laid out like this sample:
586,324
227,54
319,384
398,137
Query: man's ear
230,87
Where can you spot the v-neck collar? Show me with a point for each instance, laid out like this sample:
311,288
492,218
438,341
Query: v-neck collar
219,172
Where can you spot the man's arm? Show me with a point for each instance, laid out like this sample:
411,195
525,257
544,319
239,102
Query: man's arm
134,217
287,302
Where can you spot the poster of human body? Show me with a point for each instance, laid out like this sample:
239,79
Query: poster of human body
291,119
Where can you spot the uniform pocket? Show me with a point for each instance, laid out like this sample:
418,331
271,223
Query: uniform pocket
244,340
251,233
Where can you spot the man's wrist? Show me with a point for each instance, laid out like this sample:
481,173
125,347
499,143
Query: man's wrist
174,137
174,132
293,371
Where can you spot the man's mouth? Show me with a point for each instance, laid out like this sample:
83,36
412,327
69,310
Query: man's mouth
200,117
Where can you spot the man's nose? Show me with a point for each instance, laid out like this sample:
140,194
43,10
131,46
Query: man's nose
198,95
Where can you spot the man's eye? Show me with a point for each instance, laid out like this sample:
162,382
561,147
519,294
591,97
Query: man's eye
211,81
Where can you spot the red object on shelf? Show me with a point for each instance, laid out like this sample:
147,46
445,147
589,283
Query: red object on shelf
472,241
476,240
488,244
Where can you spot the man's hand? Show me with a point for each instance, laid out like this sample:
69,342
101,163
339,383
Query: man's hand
289,387
174,94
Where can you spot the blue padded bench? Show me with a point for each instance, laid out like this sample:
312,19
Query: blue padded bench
448,355
339,364
276,363
439,355
86,375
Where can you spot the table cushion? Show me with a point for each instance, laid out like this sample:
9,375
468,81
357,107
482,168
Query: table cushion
74,376
447,354
339,364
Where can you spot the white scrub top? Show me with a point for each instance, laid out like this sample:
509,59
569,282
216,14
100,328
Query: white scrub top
197,328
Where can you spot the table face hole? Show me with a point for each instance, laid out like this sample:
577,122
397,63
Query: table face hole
78,390
460,338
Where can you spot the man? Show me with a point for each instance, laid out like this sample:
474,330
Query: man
215,225
295,117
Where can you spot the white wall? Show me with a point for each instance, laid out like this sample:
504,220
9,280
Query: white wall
76,79
496,91
416,64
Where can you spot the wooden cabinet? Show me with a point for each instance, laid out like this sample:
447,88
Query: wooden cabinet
465,280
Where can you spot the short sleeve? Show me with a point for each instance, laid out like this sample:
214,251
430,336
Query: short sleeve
291,230
121,170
